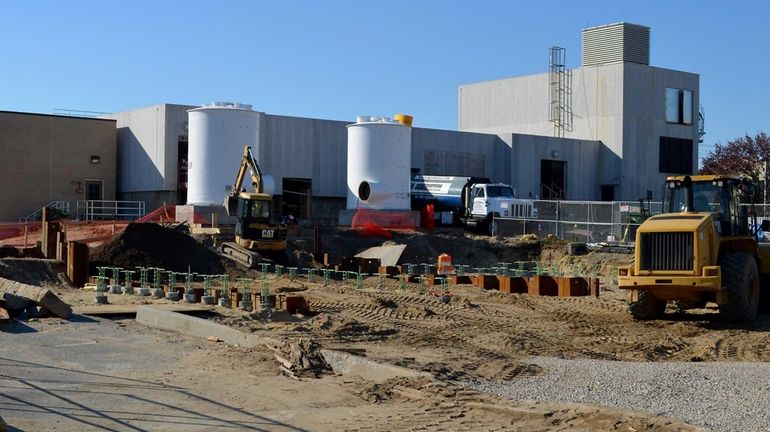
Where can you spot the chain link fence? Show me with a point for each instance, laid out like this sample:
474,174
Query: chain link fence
582,221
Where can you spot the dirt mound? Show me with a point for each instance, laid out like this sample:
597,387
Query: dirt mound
151,245
33,271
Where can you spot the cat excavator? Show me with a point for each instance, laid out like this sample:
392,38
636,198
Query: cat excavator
255,235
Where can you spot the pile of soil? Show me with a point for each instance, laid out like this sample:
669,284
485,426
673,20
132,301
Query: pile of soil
33,271
464,247
151,245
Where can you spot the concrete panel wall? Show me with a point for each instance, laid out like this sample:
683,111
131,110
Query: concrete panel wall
521,105
305,148
581,157
147,147
445,152
620,104
645,122
46,158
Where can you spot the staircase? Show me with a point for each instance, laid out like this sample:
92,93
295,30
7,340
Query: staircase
63,206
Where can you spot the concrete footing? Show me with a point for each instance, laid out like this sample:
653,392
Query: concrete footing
100,298
349,364
144,291
208,300
224,302
198,327
116,289
189,298
128,290
173,295
158,293
245,305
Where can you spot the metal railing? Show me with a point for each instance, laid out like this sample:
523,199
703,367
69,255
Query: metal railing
109,210
63,206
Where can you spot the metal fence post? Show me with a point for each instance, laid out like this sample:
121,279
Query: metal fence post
557,217
588,223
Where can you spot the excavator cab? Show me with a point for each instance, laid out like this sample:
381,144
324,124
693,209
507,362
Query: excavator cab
254,232
253,213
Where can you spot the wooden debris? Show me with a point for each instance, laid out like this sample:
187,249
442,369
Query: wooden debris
300,358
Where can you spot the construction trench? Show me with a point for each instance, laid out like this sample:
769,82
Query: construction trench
416,339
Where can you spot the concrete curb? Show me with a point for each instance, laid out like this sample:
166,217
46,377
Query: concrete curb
199,327
341,362
349,364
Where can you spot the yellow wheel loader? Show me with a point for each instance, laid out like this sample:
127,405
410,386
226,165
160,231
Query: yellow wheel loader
703,248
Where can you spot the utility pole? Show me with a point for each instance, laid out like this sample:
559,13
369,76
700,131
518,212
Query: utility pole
765,159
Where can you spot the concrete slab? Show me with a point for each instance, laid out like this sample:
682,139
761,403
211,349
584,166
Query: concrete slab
99,375
41,296
388,255
197,327
350,364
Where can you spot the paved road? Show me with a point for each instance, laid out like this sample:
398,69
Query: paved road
75,377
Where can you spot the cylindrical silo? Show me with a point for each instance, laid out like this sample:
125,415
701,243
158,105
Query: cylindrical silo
217,134
379,164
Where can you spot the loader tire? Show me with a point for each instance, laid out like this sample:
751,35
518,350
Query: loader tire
647,307
740,277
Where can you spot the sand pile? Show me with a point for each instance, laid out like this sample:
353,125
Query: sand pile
151,245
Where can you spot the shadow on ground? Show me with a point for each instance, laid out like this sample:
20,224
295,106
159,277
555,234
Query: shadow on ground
96,401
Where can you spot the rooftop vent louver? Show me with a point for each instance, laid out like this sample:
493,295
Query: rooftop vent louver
621,42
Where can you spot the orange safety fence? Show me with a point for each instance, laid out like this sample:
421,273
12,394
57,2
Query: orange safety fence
91,232
384,219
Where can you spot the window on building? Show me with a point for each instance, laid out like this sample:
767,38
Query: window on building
679,106
676,155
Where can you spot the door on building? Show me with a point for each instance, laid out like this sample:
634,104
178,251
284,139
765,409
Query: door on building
295,197
608,192
181,181
553,179
94,194
94,190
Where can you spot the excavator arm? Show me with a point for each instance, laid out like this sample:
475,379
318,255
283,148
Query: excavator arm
247,163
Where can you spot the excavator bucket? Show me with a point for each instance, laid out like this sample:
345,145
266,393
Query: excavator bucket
231,205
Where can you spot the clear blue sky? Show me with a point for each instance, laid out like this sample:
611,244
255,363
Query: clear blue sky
338,59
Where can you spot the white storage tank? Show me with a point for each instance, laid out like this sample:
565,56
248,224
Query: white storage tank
379,163
217,134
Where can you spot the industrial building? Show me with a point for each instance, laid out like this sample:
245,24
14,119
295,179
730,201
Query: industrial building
611,129
307,158
58,159
645,118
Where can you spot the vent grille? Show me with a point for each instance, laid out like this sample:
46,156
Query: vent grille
622,42
666,251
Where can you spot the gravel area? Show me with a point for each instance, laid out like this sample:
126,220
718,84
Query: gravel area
718,396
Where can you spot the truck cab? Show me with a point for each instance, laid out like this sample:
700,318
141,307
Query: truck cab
496,200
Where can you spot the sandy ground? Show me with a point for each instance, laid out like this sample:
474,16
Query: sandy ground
478,334
101,375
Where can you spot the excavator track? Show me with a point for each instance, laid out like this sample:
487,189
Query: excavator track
241,255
